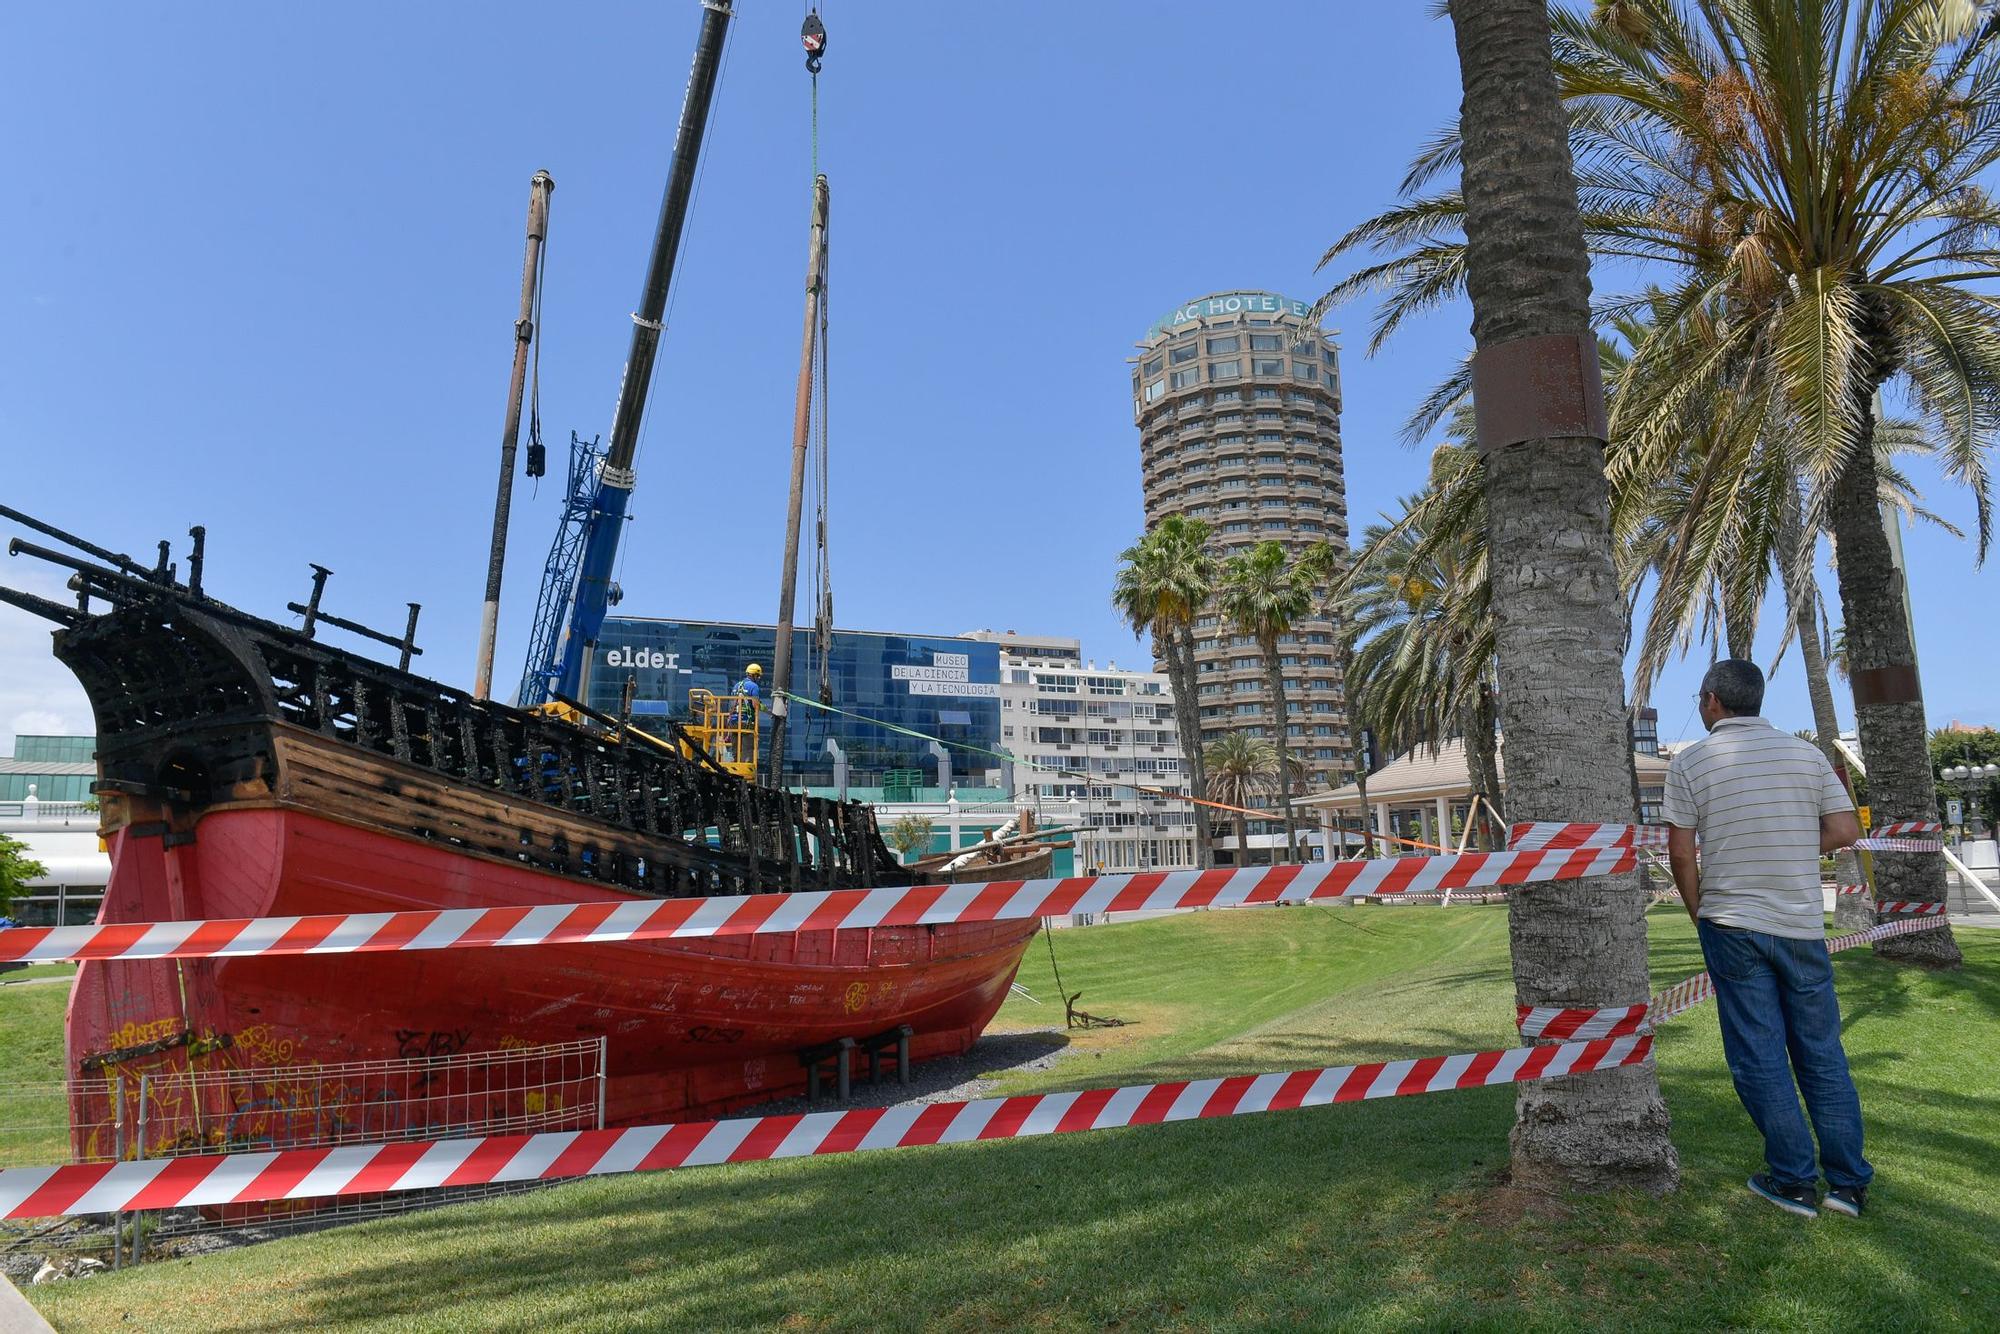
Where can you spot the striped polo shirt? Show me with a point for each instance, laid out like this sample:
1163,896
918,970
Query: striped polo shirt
1755,796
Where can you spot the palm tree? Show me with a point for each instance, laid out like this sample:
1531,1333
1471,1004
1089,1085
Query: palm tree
1812,175
1241,772
1344,635
1265,592
1559,621
1164,579
1419,600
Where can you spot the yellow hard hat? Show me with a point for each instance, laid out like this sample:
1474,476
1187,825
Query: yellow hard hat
755,670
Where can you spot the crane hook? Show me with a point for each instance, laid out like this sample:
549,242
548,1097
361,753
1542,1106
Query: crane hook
813,34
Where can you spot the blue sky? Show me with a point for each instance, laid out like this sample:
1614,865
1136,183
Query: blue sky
264,261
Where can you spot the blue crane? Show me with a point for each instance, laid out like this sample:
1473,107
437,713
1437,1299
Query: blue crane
577,577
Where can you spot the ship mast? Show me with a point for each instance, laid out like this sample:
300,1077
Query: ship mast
812,35
539,189
788,576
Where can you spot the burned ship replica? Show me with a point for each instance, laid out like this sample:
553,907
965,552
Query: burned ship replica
248,769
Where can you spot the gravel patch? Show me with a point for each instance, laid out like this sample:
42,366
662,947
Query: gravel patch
944,1079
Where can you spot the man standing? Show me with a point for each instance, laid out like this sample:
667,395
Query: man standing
1766,806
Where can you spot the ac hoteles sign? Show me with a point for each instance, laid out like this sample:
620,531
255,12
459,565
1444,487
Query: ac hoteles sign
1231,303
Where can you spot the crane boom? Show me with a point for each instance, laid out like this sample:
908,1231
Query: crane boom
592,595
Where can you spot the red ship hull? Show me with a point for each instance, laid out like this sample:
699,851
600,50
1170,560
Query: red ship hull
692,1029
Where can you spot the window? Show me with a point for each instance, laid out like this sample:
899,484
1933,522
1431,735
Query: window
1155,390
1270,504
1248,710
1217,346
1056,685
1262,343
1105,685
1267,366
1268,414
1275,525
1327,352
1182,379
1240,527
1304,370
1152,367
1185,353
1273,437
1268,394
1225,370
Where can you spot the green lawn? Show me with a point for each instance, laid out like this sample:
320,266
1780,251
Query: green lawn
36,970
31,1063
1384,1215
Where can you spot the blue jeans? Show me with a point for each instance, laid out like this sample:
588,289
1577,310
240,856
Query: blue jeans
1780,1019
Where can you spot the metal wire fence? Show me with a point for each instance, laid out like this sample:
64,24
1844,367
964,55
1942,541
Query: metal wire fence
175,1112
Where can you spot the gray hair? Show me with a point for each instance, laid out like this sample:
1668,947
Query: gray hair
1737,684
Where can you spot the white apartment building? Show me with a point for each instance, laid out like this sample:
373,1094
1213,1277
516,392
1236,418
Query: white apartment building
1102,752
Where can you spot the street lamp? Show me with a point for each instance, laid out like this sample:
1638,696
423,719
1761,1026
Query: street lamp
1973,777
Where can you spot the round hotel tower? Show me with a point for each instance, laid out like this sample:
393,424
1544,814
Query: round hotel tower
1237,399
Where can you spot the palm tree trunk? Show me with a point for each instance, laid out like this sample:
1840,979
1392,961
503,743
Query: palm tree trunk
1276,675
1800,591
1356,741
1559,618
1187,726
1738,630
1489,750
1191,745
1361,793
1475,725
1888,698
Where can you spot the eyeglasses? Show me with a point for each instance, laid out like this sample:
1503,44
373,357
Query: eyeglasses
1699,696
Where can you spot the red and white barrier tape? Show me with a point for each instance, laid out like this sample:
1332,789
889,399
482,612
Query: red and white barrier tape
1875,843
1555,1021
1851,889
1554,834
1905,836
1564,1024
295,1174
1919,907
906,905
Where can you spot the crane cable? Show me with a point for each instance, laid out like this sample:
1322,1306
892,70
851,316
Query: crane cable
819,649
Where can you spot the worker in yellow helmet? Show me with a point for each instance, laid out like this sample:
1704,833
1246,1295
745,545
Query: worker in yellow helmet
743,712
751,687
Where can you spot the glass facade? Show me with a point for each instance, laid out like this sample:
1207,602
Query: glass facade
939,685
58,768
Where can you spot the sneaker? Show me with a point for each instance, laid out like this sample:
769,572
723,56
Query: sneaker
1793,1199
1849,1200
